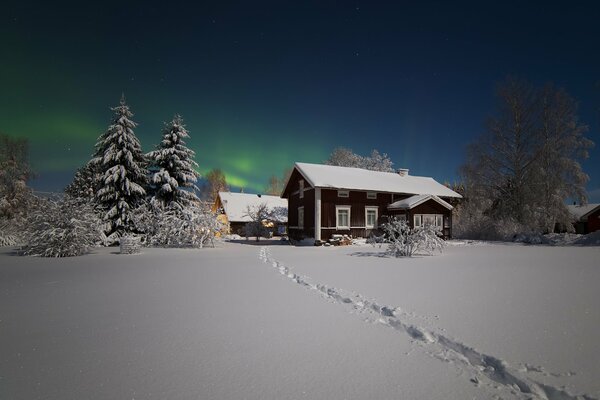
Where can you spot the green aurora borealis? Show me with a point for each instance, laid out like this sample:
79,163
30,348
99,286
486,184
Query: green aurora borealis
262,85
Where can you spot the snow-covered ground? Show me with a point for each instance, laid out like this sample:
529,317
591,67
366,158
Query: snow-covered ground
266,321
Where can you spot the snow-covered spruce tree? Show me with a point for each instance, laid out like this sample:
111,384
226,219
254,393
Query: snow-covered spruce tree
84,183
61,228
172,163
404,241
121,173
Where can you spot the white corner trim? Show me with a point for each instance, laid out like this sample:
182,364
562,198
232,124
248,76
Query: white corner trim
317,213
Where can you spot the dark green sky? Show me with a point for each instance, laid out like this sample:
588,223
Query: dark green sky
261,85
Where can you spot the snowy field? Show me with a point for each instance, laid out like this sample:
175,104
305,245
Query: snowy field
246,321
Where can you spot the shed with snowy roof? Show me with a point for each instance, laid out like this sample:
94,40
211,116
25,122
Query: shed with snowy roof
586,218
233,210
324,200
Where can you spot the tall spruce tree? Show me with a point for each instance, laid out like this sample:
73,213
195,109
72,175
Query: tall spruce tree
172,163
121,172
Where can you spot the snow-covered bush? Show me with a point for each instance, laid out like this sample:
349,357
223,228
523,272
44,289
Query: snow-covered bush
61,228
404,241
9,232
193,226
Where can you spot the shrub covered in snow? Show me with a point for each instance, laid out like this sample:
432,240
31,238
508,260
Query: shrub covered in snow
193,226
61,228
404,241
9,232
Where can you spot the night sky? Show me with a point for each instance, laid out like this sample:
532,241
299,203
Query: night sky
261,85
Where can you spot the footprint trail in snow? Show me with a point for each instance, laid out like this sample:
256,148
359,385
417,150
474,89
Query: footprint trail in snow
483,369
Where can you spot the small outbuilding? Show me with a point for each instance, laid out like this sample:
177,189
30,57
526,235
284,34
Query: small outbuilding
233,211
586,218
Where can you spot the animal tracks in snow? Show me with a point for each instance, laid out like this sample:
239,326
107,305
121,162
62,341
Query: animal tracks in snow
481,369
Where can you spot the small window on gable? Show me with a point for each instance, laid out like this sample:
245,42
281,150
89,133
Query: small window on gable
371,195
301,188
343,193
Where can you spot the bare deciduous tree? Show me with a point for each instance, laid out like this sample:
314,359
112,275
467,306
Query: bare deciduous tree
215,183
527,164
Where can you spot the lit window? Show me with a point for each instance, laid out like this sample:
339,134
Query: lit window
300,217
371,217
371,195
343,193
301,188
343,217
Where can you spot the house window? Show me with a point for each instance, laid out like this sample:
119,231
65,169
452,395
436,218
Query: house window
301,188
429,219
342,217
343,193
301,217
439,220
371,195
418,219
371,217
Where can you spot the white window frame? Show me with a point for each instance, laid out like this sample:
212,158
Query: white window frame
301,220
343,193
372,195
337,217
367,209
301,188
418,217
429,216
439,218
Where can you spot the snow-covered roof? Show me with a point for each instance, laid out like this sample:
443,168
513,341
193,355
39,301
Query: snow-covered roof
413,201
236,205
581,212
329,176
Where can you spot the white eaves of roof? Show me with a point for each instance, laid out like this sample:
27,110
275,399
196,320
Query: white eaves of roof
413,201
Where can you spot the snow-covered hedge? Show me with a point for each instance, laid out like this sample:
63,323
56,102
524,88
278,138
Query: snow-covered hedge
61,228
193,226
9,232
404,241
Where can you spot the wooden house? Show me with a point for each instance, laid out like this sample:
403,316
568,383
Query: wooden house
586,218
232,209
324,200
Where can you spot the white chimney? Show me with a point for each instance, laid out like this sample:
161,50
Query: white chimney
403,171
